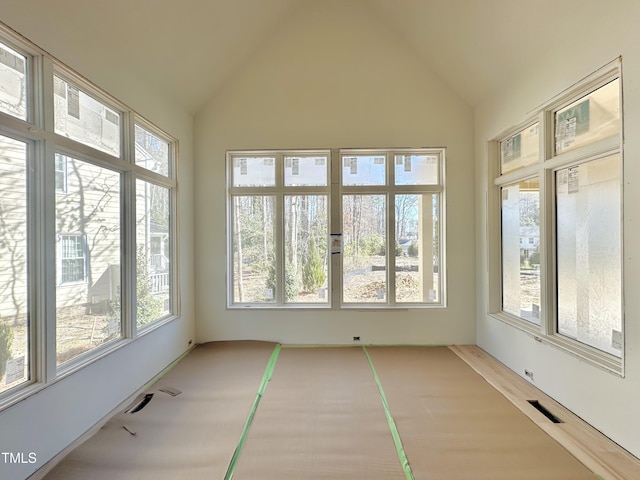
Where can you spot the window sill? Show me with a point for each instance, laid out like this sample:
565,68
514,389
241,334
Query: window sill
590,355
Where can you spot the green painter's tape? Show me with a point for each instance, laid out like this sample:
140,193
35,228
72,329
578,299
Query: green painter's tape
268,373
404,461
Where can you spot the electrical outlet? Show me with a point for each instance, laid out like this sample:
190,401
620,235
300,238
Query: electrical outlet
356,339
528,373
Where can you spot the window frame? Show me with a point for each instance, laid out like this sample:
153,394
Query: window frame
390,190
549,162
38,132
334,192
278,190
85,257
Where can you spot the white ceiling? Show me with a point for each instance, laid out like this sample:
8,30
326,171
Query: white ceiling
473,45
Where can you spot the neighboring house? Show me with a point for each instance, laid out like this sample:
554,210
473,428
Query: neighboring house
529,241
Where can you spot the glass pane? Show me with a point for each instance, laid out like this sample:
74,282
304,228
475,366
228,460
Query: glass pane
364,249
521,250
588,211
520,150
307,171
306,256
254,171
254,259
592,118
84,119
417,249
153,252
363,170
14,306
13,83
152,152
88,260
416,169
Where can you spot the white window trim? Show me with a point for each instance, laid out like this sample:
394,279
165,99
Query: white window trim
43,247
548,163
334,191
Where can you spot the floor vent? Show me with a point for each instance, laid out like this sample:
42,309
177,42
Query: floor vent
536,404
147,398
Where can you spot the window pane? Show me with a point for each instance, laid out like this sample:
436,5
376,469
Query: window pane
254,171
13,83
88,259
588,211
521,250
417,250
416,169
307,171
14,312
365,246
153,252
152,152
254,259
84,119
592,118
306,256
520,150
363,170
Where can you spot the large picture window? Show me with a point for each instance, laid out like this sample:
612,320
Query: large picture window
560,231
385,226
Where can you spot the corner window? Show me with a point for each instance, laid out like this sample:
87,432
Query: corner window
560,231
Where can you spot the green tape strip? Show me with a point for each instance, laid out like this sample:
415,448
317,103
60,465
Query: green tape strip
404,461
268,373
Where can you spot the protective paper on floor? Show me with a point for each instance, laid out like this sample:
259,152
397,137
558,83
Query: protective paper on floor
188,436
321,417
456,426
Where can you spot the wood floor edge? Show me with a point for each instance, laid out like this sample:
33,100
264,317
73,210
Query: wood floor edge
596,451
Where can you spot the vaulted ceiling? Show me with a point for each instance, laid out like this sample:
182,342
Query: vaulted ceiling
188,49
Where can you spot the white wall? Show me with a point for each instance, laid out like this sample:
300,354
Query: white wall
333,76
607,401
48,421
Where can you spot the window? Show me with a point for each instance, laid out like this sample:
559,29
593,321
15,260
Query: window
83,118
87,303
88,202
61,173
279,224
281,250
565,284
391,227
73,258
13,82
154,225
15,331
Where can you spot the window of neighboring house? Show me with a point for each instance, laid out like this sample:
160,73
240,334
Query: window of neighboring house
88,295
73,258
61,173
580,169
